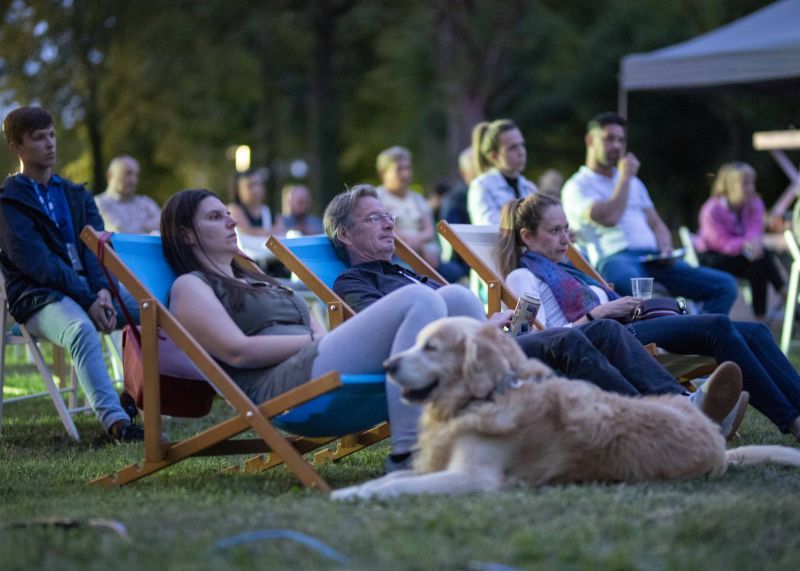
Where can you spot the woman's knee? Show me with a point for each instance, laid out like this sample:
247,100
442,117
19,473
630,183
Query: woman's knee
720,325
607,328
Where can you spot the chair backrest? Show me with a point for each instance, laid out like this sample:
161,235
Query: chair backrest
481,239
319,255
475,245
145,258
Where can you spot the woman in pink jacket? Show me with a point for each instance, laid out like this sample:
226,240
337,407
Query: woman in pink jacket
732,233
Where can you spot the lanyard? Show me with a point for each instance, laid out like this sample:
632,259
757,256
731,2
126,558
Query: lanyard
48,205
64,226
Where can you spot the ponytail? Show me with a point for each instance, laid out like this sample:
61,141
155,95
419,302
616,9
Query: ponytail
518,214
479,162
486,139
509,246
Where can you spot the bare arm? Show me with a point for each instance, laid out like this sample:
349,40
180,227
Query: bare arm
619,308
609,212
663,235
243,223
220,336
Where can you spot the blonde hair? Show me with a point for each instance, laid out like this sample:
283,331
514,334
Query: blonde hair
518,214
730,174
486,139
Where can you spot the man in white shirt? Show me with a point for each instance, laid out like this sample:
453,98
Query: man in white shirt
121,208
611,210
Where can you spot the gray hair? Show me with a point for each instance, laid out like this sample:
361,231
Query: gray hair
390,156
339,214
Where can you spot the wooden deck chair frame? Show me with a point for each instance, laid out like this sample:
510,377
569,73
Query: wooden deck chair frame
216,440
338,311
683,367
68,382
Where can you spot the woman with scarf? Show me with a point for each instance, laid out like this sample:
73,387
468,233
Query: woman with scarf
531,253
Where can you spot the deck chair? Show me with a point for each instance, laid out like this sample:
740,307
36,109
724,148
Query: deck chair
315,262
16,334
319,411
475,245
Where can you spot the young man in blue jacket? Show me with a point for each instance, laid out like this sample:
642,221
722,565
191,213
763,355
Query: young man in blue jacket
54,283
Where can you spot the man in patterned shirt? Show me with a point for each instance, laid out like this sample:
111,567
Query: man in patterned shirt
121,208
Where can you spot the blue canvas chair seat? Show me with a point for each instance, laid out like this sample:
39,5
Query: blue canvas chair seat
318,411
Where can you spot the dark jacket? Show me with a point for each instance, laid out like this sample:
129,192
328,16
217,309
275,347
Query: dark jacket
364,284
34,255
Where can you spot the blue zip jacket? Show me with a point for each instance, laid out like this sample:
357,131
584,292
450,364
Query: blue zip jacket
33,253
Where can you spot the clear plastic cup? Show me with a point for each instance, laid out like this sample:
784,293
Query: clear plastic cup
642,287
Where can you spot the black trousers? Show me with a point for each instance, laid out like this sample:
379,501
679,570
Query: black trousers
604,353
759,273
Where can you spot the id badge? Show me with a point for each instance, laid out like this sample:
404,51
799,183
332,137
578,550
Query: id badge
72,250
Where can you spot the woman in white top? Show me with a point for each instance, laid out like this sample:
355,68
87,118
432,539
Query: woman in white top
531,252
500,158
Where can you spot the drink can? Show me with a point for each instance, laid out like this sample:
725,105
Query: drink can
525,314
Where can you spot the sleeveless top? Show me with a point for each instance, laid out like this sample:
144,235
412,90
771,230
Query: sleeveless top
269,310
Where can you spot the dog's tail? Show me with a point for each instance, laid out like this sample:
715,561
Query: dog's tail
782,455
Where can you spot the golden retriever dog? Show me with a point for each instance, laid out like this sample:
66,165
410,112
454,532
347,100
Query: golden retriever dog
493,418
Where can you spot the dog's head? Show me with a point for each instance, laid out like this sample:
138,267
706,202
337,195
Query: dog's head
455,360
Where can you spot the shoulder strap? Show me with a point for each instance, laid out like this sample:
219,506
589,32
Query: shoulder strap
101,250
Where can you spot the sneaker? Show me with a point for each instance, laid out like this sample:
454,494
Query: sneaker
125,431
396,462
128,405
730,425
720,393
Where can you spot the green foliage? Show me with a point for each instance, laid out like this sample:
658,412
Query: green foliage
335,82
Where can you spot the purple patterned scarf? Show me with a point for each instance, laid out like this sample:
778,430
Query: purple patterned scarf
569,285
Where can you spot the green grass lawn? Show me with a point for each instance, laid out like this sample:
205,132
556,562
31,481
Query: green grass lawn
747,519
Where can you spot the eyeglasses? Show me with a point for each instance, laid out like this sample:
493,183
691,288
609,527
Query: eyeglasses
375,218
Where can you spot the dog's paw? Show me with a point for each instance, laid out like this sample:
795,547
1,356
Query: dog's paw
348,494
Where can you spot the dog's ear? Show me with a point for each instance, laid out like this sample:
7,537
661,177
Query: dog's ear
484,362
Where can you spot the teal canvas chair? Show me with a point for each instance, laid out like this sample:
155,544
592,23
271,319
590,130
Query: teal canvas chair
319,412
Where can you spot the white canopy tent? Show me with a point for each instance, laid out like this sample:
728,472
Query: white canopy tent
759,48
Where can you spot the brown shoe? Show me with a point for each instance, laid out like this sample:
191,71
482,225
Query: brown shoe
721,391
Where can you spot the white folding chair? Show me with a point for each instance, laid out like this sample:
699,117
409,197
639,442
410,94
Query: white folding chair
791,296
18,334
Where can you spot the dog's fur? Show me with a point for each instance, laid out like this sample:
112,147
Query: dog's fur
479,432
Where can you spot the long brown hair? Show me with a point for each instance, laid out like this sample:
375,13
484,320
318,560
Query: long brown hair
518,214
177,225
485,139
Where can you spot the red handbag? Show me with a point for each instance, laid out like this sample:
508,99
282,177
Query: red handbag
184,390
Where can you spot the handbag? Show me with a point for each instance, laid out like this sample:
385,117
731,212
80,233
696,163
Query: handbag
184,389
658,307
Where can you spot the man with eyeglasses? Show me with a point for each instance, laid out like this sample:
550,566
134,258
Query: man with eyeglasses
602,351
